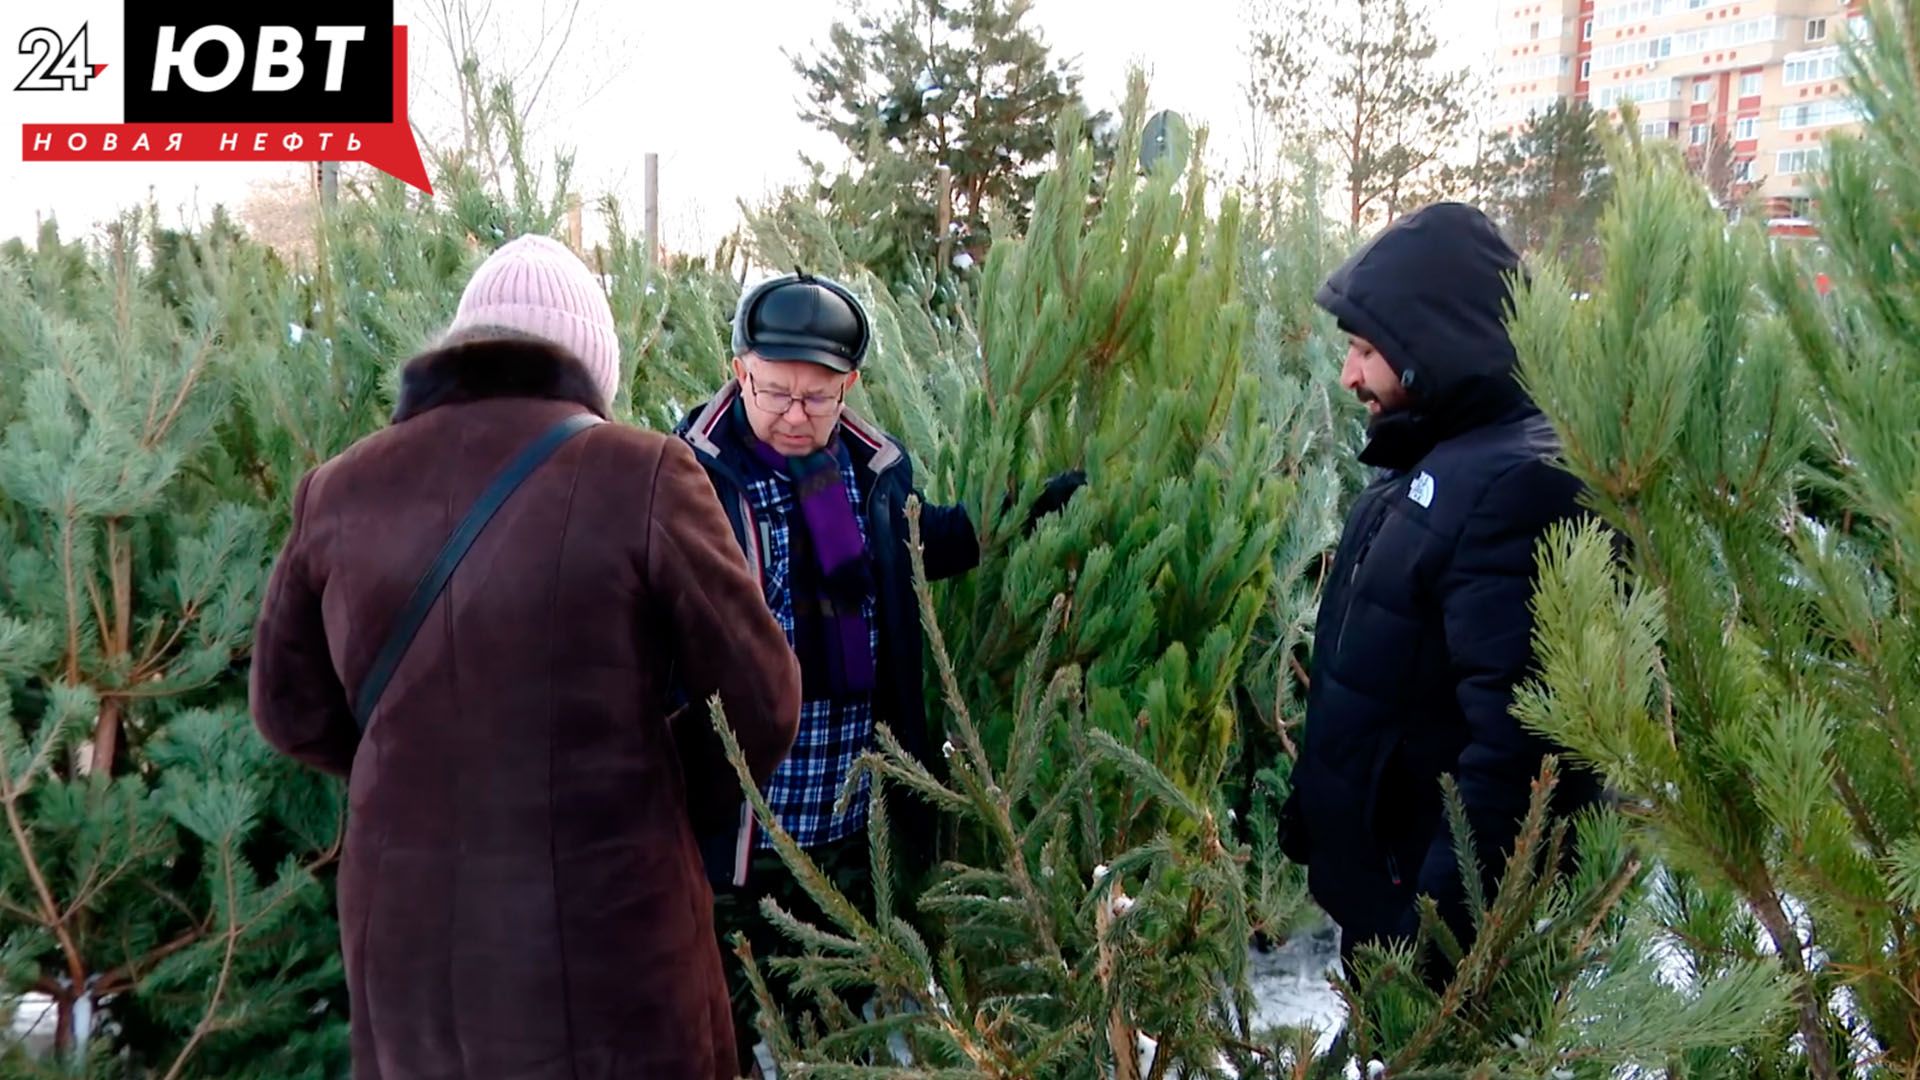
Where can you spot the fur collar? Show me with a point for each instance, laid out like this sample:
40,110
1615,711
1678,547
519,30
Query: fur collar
479,370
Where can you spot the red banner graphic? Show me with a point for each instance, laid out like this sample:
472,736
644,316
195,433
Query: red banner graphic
389,147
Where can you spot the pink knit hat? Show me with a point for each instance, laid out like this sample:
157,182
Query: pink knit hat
534,286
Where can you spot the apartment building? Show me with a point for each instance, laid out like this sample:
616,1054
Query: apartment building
1763,75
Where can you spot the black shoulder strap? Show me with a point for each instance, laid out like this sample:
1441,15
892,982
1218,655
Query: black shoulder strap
408,623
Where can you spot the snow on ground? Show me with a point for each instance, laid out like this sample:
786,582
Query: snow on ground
32,1022
1289,987
1290,983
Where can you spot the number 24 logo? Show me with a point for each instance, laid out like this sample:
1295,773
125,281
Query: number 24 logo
57,65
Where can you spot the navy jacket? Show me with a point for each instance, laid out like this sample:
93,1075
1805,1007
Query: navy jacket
950,548
1425,623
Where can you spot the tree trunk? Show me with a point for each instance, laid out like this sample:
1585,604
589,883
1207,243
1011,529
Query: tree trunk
62,1026
106,737
1355,180
1121,1037
1813,1028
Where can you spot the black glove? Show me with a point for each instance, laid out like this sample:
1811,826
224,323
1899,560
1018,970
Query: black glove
1055,496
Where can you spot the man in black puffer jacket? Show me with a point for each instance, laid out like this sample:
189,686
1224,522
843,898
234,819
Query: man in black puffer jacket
1425,624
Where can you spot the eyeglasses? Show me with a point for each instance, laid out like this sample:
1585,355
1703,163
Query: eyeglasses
777,402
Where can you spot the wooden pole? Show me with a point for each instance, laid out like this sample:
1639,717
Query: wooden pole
329,182
653,208
573,223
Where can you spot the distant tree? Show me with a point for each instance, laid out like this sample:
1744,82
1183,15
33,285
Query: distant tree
563,55
1714,163
281,214
1548,185
1370,87
919,84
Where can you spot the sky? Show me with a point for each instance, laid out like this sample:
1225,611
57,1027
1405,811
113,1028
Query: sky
705,84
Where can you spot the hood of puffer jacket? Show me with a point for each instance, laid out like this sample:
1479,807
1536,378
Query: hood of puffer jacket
1431,292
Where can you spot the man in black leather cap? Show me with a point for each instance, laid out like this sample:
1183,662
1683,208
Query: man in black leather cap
1425,625
817,498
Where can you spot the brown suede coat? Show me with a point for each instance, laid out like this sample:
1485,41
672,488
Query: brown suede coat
521,897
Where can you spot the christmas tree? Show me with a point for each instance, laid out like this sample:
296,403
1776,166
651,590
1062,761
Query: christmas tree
1295,354
158,880
944,108
1736,649
165,879
1115,346
1095,918
1748,674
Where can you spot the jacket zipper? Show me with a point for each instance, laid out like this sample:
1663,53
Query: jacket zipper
1353,575
756,544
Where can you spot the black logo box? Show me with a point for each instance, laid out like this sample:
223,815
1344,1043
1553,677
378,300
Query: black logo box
366,86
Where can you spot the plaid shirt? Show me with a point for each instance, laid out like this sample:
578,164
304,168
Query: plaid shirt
834,732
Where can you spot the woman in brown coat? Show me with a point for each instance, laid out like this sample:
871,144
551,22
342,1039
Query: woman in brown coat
521,896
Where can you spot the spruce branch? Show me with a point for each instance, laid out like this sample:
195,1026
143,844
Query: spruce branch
230,945
772,1023
836,905
996,807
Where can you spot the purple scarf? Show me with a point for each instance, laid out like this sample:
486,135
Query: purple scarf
829,572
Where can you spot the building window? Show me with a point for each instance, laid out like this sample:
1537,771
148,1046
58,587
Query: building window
1816,29
1698,135
1703,90
1586,32
1743,170
1825,113
1746,128
1795,162
1586,70
1627,53
1534,68
1520,33
1750,84
1800,206
1719,36
1632,11
1817,67
1610,97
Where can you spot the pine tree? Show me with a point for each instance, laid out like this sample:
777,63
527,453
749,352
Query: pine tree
159,866
1160,566
1747,674
1116,347
1548,185
969,85
1710,155
1094,920
165,879
1294,353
